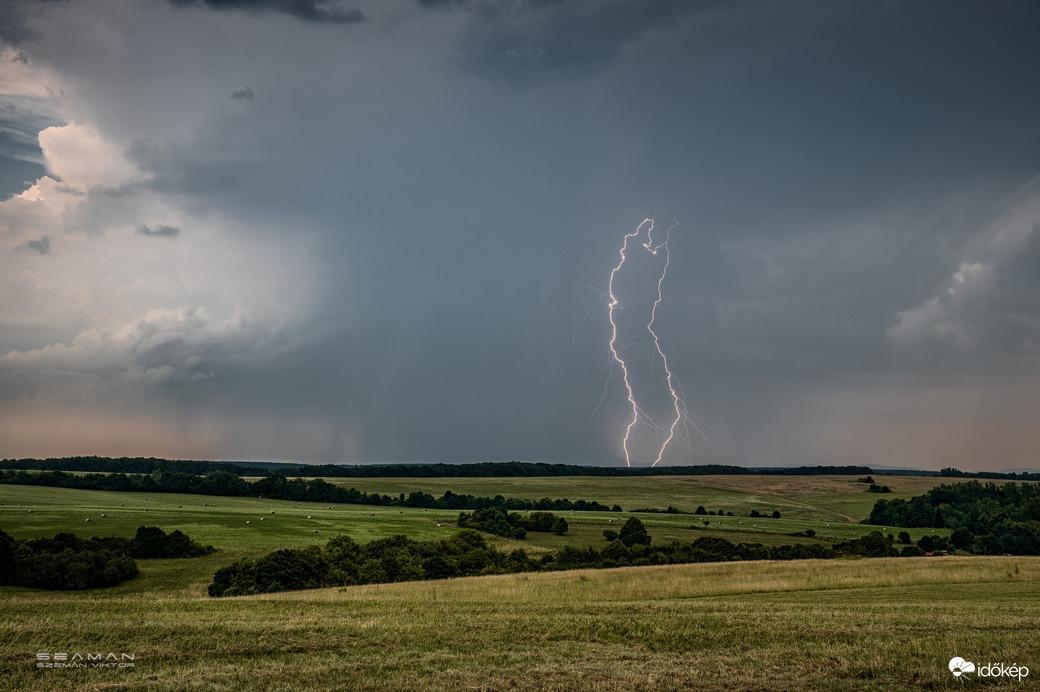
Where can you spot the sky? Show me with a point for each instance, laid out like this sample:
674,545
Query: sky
391,230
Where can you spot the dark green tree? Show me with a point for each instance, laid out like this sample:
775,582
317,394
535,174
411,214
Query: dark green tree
634,533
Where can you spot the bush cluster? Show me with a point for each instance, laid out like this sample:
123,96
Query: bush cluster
67,562
343,562
497,521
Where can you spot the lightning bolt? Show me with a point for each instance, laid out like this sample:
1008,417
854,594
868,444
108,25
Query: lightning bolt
682,421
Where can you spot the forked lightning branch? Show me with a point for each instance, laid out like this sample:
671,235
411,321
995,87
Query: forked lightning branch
678,422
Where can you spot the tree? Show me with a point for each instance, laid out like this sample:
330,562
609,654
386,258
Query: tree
776,514
930,544
962,538
904,537
634,533
7,545
610,535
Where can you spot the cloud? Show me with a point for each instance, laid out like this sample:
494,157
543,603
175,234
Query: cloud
15,17
158,231
162,347
555,40
29,103
245,93
306,10
989,305
41,246
81,158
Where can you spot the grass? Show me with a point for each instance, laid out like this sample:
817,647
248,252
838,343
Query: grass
815,498
839,625
804,625
221,521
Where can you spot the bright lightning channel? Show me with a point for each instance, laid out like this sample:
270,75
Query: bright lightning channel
681,419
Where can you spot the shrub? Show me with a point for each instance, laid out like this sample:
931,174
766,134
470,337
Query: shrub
153,542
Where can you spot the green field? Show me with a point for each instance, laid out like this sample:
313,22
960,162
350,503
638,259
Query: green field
817,498
803,625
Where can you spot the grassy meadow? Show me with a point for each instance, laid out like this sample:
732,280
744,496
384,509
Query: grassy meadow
803,625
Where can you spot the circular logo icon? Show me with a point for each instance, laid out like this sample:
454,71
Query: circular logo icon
958,666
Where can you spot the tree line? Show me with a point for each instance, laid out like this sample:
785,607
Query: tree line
278,487
985,517
344,562
67,562
506,469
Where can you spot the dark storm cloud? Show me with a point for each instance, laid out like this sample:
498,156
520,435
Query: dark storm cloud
830,163
536,41
1012,317
158,231
14,16
41,246
986,316
318,11
489,7
201,172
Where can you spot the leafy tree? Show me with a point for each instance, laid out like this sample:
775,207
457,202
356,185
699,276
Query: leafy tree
7,546
961,538
634,533
904,537
930,544
610,535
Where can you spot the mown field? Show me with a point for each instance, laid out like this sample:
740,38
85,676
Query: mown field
836,625
803,625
